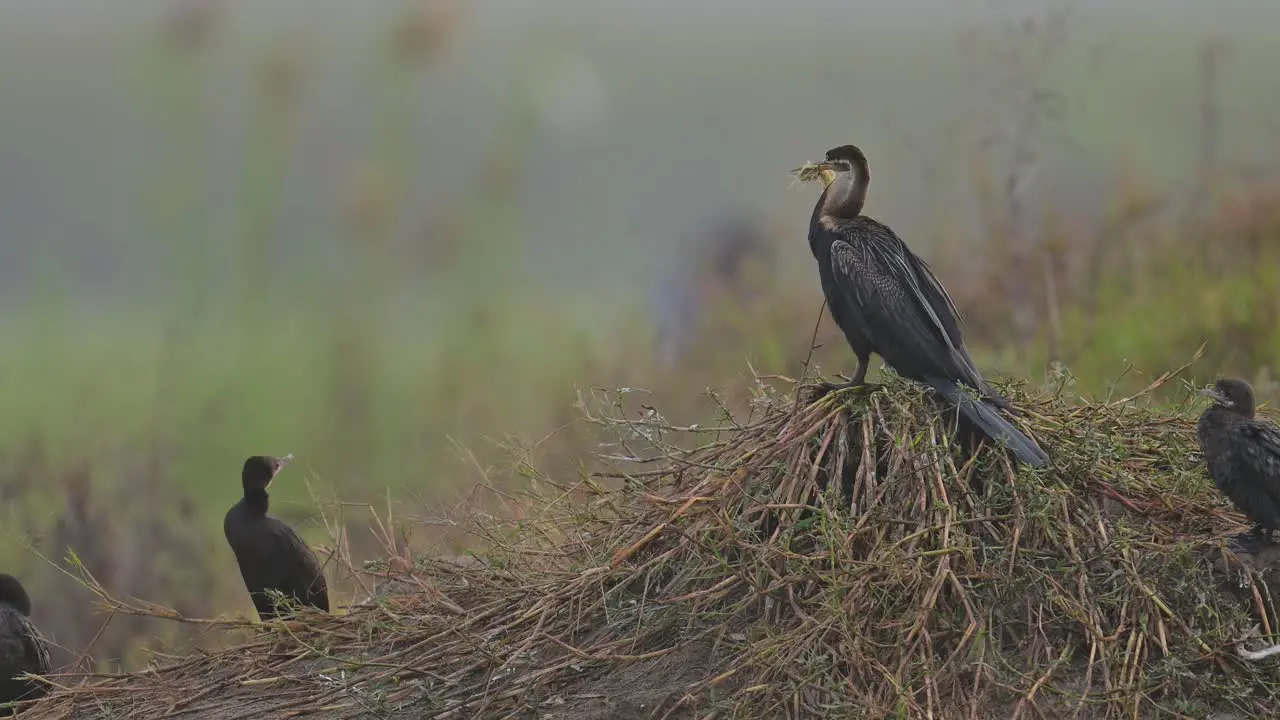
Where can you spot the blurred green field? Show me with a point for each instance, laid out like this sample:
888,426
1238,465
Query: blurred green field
214,291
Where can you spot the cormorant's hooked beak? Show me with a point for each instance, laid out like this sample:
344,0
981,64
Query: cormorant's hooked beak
280,462
1213,394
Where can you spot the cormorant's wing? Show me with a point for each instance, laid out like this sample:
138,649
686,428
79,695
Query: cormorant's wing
272,556
37,647
1255,450
297,566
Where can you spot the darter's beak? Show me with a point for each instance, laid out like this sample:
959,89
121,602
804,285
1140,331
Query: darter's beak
826,173
815,171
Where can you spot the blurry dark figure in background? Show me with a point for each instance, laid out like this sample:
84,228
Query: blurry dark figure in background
886,300
22,648
725,262
1243,457
428,29
188,24
270,554
87,526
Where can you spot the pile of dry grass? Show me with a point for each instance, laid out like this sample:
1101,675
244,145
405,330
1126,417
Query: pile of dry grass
735,579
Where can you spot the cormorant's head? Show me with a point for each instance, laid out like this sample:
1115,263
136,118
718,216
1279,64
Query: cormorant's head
13,594
1234,395
260,470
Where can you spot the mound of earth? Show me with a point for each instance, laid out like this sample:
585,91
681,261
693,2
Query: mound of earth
827,559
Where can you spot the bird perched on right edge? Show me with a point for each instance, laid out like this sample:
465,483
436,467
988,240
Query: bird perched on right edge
270,554
1242,454
886,300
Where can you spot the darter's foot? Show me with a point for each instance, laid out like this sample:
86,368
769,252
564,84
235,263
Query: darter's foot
812,393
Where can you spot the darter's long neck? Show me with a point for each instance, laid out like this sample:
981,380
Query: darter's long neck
847,194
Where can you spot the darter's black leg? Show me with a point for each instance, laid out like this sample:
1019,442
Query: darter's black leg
859,378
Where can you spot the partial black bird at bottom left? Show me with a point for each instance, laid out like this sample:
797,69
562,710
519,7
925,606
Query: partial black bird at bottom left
22,648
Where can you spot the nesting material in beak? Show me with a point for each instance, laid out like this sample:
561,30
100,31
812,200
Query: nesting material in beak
809,172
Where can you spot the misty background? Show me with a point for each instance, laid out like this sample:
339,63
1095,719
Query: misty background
624,125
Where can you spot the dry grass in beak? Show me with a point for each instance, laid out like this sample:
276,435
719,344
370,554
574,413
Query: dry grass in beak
810,172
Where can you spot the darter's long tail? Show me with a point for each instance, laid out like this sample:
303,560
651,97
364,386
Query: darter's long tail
990,421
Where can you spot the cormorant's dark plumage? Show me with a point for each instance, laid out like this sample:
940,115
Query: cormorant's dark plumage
22,648
1242,454
270,554
887,301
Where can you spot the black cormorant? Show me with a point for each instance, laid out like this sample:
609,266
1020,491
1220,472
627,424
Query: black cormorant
886,300
1242,454
270,554
22,648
